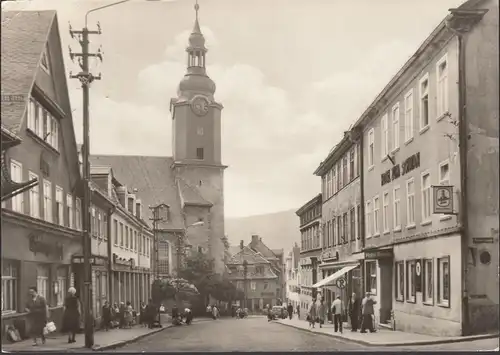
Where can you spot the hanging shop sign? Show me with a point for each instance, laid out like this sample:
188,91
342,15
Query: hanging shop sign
442,199
330,255
38,246
341,282
411,163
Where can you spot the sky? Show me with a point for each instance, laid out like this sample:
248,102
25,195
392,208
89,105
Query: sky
293,75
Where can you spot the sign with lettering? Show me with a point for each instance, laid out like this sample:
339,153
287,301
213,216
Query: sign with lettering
341,282
483,240
411,163
330,255
379,254
38,245
443,199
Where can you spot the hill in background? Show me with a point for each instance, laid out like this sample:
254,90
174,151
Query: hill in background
278,230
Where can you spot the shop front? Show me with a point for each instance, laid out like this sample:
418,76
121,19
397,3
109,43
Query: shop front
34,253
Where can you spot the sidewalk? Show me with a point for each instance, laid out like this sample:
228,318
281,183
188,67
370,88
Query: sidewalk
103,340
383,337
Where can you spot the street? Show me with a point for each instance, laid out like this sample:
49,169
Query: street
256,334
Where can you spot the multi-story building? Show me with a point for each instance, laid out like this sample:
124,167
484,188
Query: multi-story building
256,277
310,249
39,234
341,210
292,271
430,181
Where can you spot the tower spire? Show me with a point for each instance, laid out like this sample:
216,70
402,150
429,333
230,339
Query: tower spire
196,28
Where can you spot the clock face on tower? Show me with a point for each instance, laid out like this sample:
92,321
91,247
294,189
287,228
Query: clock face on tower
199,105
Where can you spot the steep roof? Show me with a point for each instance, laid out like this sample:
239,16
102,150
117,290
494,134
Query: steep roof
249,255
152,177
189,195
263,249
233,250
24,38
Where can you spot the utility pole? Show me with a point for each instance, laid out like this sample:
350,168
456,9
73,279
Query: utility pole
156,219
86,78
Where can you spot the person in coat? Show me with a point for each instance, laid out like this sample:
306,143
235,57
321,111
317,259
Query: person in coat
298,311
322,313
38,312
71,315
337,308
312,314
368,312
354,308
107,316
290,311
128,315
143,317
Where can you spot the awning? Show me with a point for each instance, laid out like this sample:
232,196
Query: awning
335,276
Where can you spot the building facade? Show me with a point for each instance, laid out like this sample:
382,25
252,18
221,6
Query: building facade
311,245
431,238
256,277
292,271
191,181
341,210
39,231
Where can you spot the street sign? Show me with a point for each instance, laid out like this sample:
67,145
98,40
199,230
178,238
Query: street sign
443,199
341,283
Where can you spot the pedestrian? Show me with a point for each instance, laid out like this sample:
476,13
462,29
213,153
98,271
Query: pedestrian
354,312
337,314
128,315
71,315
150,314
142,315
312,314
322,312
121,314
290,311
269,313
107,316
368,312
215,312
209,310
298,312
38,314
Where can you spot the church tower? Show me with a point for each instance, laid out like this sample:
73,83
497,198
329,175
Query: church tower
196,139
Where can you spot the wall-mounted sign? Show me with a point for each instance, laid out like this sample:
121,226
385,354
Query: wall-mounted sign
418,274
443,199
379,254
95,261
341,282
330,255
482,240
411,163
38,245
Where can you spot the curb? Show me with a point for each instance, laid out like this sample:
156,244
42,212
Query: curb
122,343
401,343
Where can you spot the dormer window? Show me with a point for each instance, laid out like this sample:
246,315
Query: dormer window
44,62
42,123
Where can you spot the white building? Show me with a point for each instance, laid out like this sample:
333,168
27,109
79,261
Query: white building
292,271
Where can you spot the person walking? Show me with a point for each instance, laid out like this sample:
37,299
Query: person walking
142,316
354,308
107,316
337,314
71,315
150,314
38,313
322,313
368,312
290,311
128,315
298,312
312,314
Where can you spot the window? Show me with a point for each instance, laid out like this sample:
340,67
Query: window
358,217
99,224
199,130
352,172
444,281
136,247
410,202
400,281
424,102
345,177
371,275
126,238
376,209
340,230
93,228
353,224
239,285
45,62
54,137
46,121
47,200
426,197
9,286
386,139
385,211
409,116
199,153
61,280
334,179
42,281
115,232
334,235
33,120
266,285
121,234
442,86
105,226
78,214
34,193
69,208
368,223
395,126
371,147
329,183
59,206
444,173
428,291
345,225
253,285
340,176
397,208
16,174
410,281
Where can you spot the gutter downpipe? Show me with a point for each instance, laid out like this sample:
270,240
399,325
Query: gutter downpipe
463,147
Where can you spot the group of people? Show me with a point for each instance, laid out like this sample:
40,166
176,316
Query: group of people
213,311
178,317
359,312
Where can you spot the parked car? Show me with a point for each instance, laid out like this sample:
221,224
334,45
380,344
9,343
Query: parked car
278,312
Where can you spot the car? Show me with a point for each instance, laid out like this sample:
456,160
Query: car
278,312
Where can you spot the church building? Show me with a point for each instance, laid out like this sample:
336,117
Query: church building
189,183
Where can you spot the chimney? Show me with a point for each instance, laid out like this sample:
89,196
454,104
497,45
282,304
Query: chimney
138,208
241,244
121,191
255,238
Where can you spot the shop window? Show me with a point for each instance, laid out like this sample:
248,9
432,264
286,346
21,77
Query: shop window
400,281
410,281
428,289
371,276
42,281
444,281
61,280
9,286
